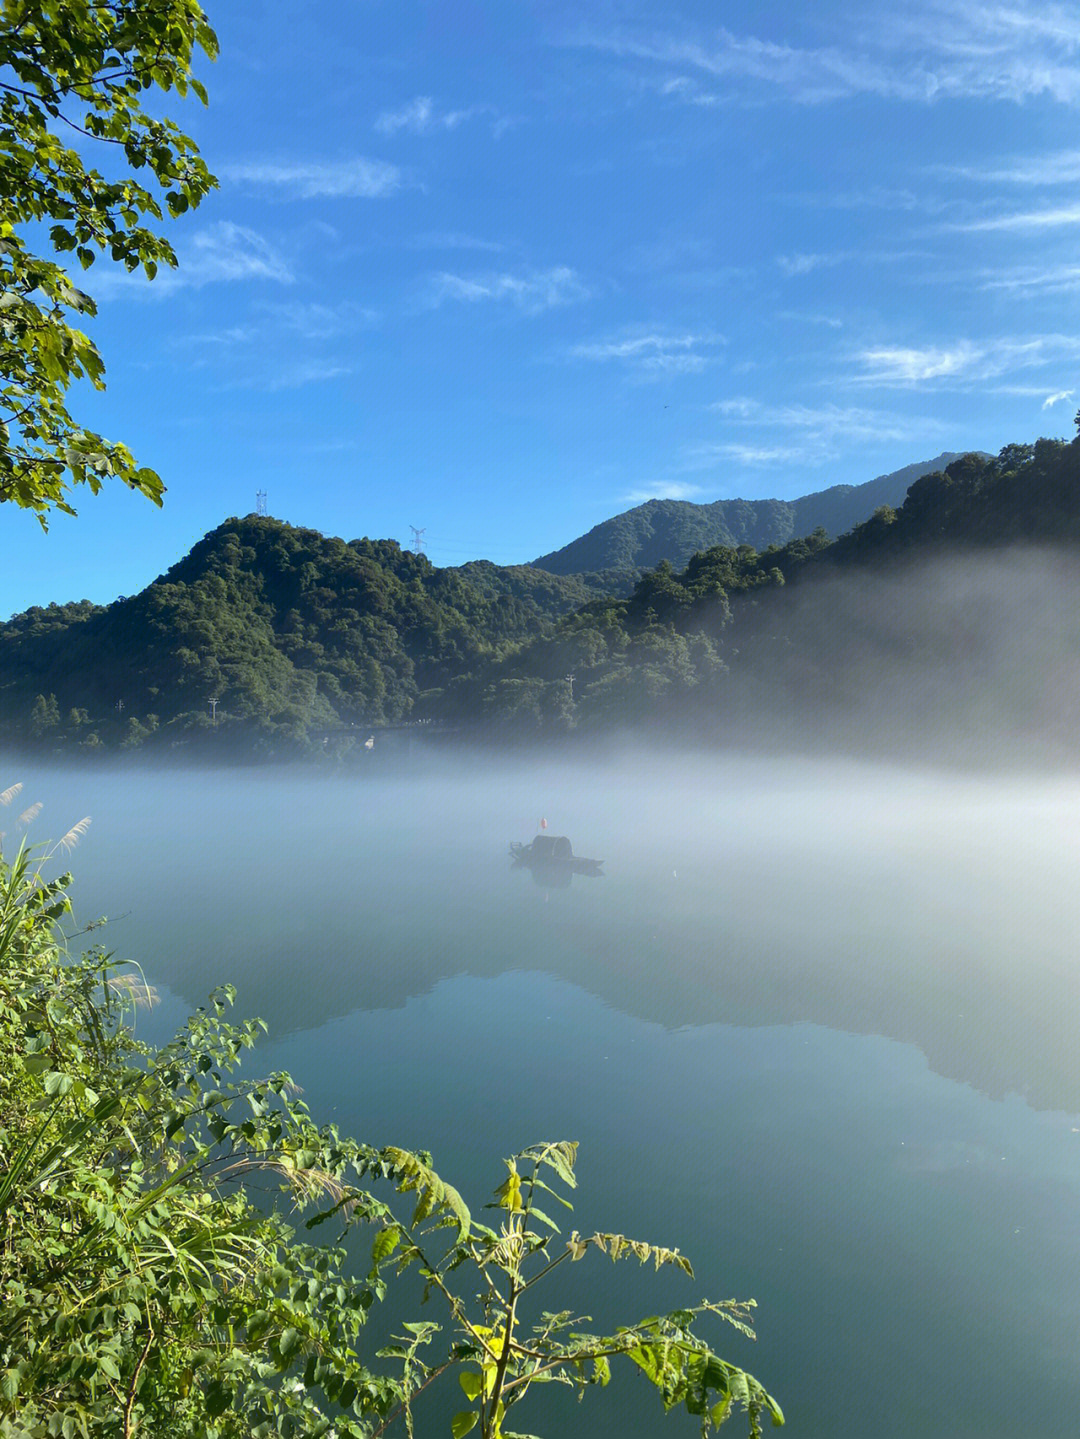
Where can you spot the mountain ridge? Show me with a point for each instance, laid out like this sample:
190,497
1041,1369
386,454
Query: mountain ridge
673,530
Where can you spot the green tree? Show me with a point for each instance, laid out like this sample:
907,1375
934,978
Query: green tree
76,70
44,716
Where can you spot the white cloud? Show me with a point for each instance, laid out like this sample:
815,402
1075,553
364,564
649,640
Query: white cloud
652,354
1057,397
420,116
1060,168
707,455
1045,219
454,240
800,264
1049,279
964,362
305,372
663,490
220,253
532,291
812,433
924,52
315,321
357,178
894,364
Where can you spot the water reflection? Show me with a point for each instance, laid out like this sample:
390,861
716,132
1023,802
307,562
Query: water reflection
934,910
551,860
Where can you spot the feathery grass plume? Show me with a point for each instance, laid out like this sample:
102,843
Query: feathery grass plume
74,834
135,988
9,794
307,1183
29,815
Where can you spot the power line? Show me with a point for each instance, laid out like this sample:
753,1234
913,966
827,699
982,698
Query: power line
418,539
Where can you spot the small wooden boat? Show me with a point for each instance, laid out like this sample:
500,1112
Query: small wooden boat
553,854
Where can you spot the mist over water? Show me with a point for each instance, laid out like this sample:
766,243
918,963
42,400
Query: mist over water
816,1025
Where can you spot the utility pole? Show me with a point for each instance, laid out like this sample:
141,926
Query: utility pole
570,682
418,539
213,703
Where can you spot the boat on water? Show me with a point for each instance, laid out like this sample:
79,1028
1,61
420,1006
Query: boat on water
551,857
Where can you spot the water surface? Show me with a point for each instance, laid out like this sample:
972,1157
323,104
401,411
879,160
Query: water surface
816,1026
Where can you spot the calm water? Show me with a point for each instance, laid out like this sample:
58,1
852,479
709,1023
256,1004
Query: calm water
817,1026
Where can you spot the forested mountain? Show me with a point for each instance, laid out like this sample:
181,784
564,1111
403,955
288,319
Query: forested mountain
291,633
947,622
676,529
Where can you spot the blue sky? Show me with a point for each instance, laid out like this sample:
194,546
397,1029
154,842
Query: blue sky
501,270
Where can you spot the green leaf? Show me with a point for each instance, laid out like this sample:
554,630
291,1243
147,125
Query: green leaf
471,1383
462,1423
218,1398
386,1241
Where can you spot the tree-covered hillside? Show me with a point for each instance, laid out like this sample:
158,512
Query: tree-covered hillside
676,529
954,613
947,623
291,633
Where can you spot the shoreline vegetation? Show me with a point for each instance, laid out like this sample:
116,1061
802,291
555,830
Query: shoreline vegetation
269,642
190,1253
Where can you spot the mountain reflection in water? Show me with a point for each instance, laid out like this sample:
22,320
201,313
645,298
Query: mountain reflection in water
706,1022
936,909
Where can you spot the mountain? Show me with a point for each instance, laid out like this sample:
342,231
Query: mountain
676,529
943,625
267,634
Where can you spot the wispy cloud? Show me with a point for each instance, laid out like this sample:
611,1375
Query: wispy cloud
221,253
813,433
654,354
355,178
804,264
531,291
1053,218
711,453
313,320
1033,279
1060,168
1057,397
421,116
928,51
897,364
304,372
757,434
964,362
454,240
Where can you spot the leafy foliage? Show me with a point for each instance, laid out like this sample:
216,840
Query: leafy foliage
81,71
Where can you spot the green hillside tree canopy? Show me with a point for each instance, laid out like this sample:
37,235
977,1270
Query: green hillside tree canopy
73,71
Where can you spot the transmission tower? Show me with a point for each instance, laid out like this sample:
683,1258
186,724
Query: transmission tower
260,502
418,539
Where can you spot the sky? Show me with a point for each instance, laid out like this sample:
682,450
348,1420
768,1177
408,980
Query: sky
499,271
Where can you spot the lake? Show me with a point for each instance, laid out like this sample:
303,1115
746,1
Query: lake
816,1025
